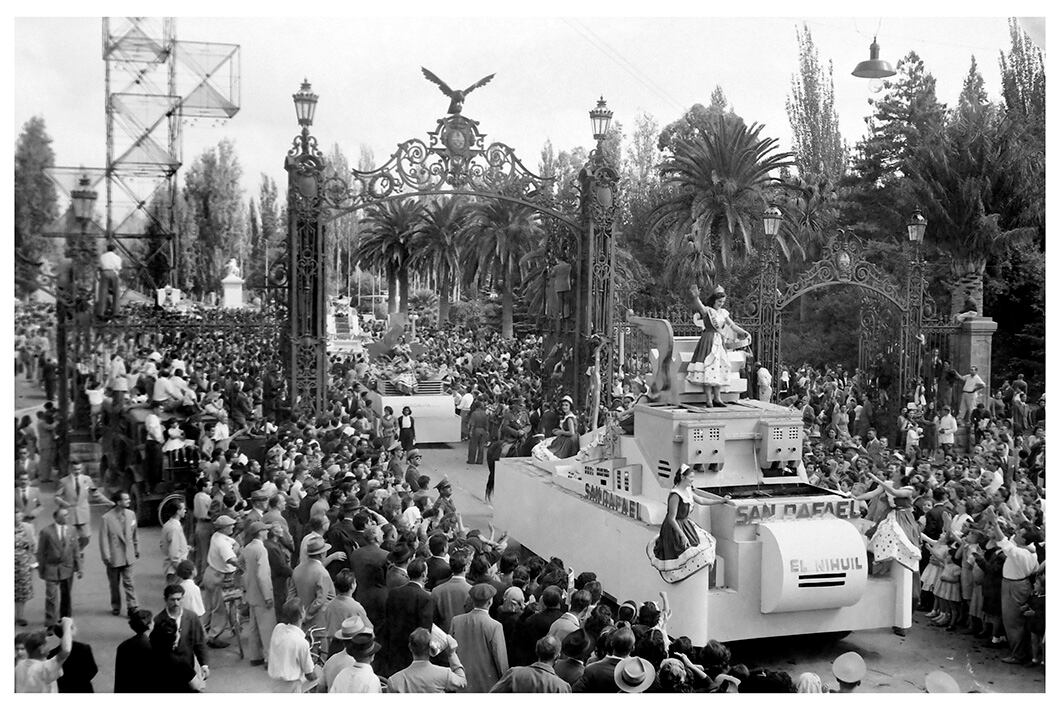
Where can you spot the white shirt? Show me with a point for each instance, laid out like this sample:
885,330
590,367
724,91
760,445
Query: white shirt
192,600
332,667
110,261
222,548
1020,562
465,402
153,425
765,379
37,676
358,678
289,658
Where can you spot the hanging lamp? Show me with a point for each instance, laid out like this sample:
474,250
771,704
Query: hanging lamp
873,67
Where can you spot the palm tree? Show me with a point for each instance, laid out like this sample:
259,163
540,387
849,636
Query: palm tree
499,234
959,182
716,185
386,243
436,247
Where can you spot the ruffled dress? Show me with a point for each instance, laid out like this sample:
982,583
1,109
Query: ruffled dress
671,557
897,536
709,365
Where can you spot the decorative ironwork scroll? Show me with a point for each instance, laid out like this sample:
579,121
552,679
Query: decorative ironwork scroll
843,262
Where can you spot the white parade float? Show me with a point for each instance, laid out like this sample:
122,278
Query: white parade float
787,559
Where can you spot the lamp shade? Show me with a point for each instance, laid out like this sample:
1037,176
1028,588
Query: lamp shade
305,104
771,221
873,67
84,199
601,119
916,227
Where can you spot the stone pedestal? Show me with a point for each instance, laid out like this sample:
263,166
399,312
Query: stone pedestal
974,347
233,291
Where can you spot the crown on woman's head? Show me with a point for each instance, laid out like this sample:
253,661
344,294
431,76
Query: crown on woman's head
719,290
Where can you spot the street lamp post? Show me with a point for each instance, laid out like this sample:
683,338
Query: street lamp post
915,228
599,183
73,310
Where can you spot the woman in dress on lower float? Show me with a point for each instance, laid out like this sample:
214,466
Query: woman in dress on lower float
682,548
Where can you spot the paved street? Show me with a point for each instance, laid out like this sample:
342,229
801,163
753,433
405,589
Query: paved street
895,664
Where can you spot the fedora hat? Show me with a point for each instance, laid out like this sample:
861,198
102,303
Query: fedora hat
634,675
399,555
482,591
413,452
575,644
316,546
254,528
260,494
350,627
849,668
940,682
362,644
444,483
223,521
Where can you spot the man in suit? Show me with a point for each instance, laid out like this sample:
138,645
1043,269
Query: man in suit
438,569
529,630
58,558
75,491
342,535
119,545
422,676
407,608
599,677
451,597
257,582
313,584
191,637
368,563
481,641
27,497
539,677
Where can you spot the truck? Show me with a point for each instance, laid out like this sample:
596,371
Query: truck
789,558
432,409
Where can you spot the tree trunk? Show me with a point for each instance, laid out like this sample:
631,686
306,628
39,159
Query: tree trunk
403,281
506,307
967,285
443,296
392,290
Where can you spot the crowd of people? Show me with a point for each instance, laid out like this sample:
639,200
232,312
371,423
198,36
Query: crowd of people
354,571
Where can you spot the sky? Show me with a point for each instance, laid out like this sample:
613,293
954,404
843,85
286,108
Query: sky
550,70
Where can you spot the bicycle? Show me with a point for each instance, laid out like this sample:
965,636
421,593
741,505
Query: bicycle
318,654
232,595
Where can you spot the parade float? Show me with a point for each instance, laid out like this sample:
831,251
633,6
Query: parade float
401,378
785,558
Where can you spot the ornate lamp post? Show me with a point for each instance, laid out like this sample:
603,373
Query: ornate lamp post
74,317
599,181
914,297
306,267
762,319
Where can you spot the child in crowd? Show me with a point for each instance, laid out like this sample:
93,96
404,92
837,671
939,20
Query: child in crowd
192,600
948,591
930,576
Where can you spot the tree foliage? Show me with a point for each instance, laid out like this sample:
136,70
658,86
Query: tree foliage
36,203
818,147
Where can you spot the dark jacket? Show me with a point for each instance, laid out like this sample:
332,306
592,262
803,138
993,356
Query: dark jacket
341,537
528,632
407,608
438,571
369,568
598,677
79,669
132,666
191,642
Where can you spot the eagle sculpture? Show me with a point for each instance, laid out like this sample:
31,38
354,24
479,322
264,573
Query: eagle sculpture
456,102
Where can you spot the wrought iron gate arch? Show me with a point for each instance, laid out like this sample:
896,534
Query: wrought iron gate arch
454,160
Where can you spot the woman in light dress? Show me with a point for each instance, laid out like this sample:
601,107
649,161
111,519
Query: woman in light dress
709,365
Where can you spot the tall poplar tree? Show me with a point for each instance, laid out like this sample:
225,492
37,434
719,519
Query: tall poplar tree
818,146
36,203
216,212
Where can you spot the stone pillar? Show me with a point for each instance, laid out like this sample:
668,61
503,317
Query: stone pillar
974,347
233,291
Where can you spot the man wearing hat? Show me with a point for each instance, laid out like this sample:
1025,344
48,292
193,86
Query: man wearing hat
259,504
342,536
849,670
481,639
408,607
412,470
221,560
443,505
633,674
342,659
257,583
538,677
600,677
422,676
313,584
359,677
571,664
